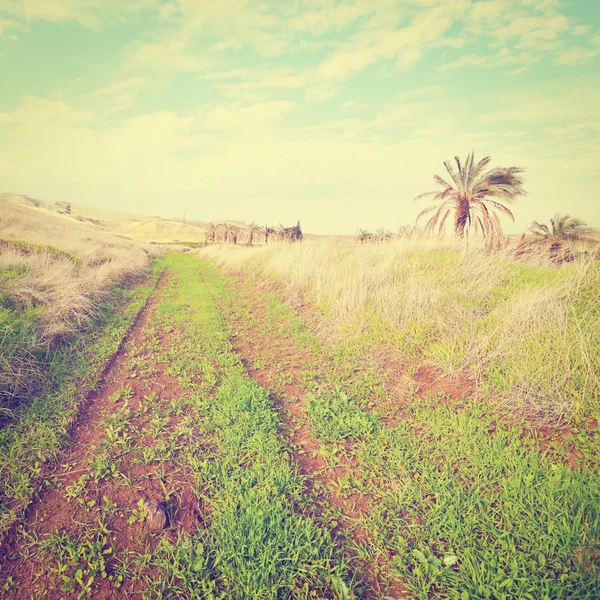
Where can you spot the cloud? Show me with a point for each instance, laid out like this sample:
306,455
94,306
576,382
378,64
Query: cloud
577,56
8,27
247,117
120,95
530,30
352,104
91,14
504,58
580,30
168,53
555,104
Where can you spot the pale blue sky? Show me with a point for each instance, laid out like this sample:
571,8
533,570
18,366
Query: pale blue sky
333,112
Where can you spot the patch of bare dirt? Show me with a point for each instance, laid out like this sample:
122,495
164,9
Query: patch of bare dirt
431,381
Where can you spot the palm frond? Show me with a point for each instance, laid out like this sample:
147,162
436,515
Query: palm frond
443,222
455,176
425,194
501,208
441,181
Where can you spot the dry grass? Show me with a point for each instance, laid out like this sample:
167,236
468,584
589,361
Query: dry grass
53,275
527,332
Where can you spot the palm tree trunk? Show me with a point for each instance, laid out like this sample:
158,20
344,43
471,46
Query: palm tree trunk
461,216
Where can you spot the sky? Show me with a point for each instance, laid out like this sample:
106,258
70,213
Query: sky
336,113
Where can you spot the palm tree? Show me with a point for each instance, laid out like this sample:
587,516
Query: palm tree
383,235
474,197
267,231
228,231
281,232
364,236
234,231
557,239
253,228
224,228
408,232
211,232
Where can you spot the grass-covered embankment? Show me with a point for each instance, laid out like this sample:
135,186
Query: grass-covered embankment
56,277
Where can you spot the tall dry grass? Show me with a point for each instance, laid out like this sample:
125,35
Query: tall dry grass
54,274
526,331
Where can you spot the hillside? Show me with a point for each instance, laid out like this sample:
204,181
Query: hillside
136,226
98,217
162,231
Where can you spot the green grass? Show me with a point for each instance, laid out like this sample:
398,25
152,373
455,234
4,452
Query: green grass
464,503
526,333
338,417
38,428
461,503
256,544
473,511
27,248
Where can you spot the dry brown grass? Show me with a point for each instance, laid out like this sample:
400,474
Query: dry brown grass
53,274
526,331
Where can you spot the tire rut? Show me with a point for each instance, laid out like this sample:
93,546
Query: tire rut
95,488
278,364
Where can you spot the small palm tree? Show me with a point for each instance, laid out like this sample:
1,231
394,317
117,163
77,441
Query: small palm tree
383,235
253,229
557,239
234,232
228,230
267,231
281,233
211,232
408,232
474,196
363,236
223,230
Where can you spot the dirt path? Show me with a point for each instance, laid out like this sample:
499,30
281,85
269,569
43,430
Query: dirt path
98,504
292,371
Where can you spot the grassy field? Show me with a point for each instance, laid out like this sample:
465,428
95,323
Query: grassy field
526,332
264,430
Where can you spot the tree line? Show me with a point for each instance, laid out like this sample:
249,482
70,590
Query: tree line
234,234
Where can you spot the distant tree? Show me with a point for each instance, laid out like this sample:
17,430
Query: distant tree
68,209
253,229
474,197
211,232
267,231
296,234
234,232
383,235
408,232
364,236
557,239
281,232
226,228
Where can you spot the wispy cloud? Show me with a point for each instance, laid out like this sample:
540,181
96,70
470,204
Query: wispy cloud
92,14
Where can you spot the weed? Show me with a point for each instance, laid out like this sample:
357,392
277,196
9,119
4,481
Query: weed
337,417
